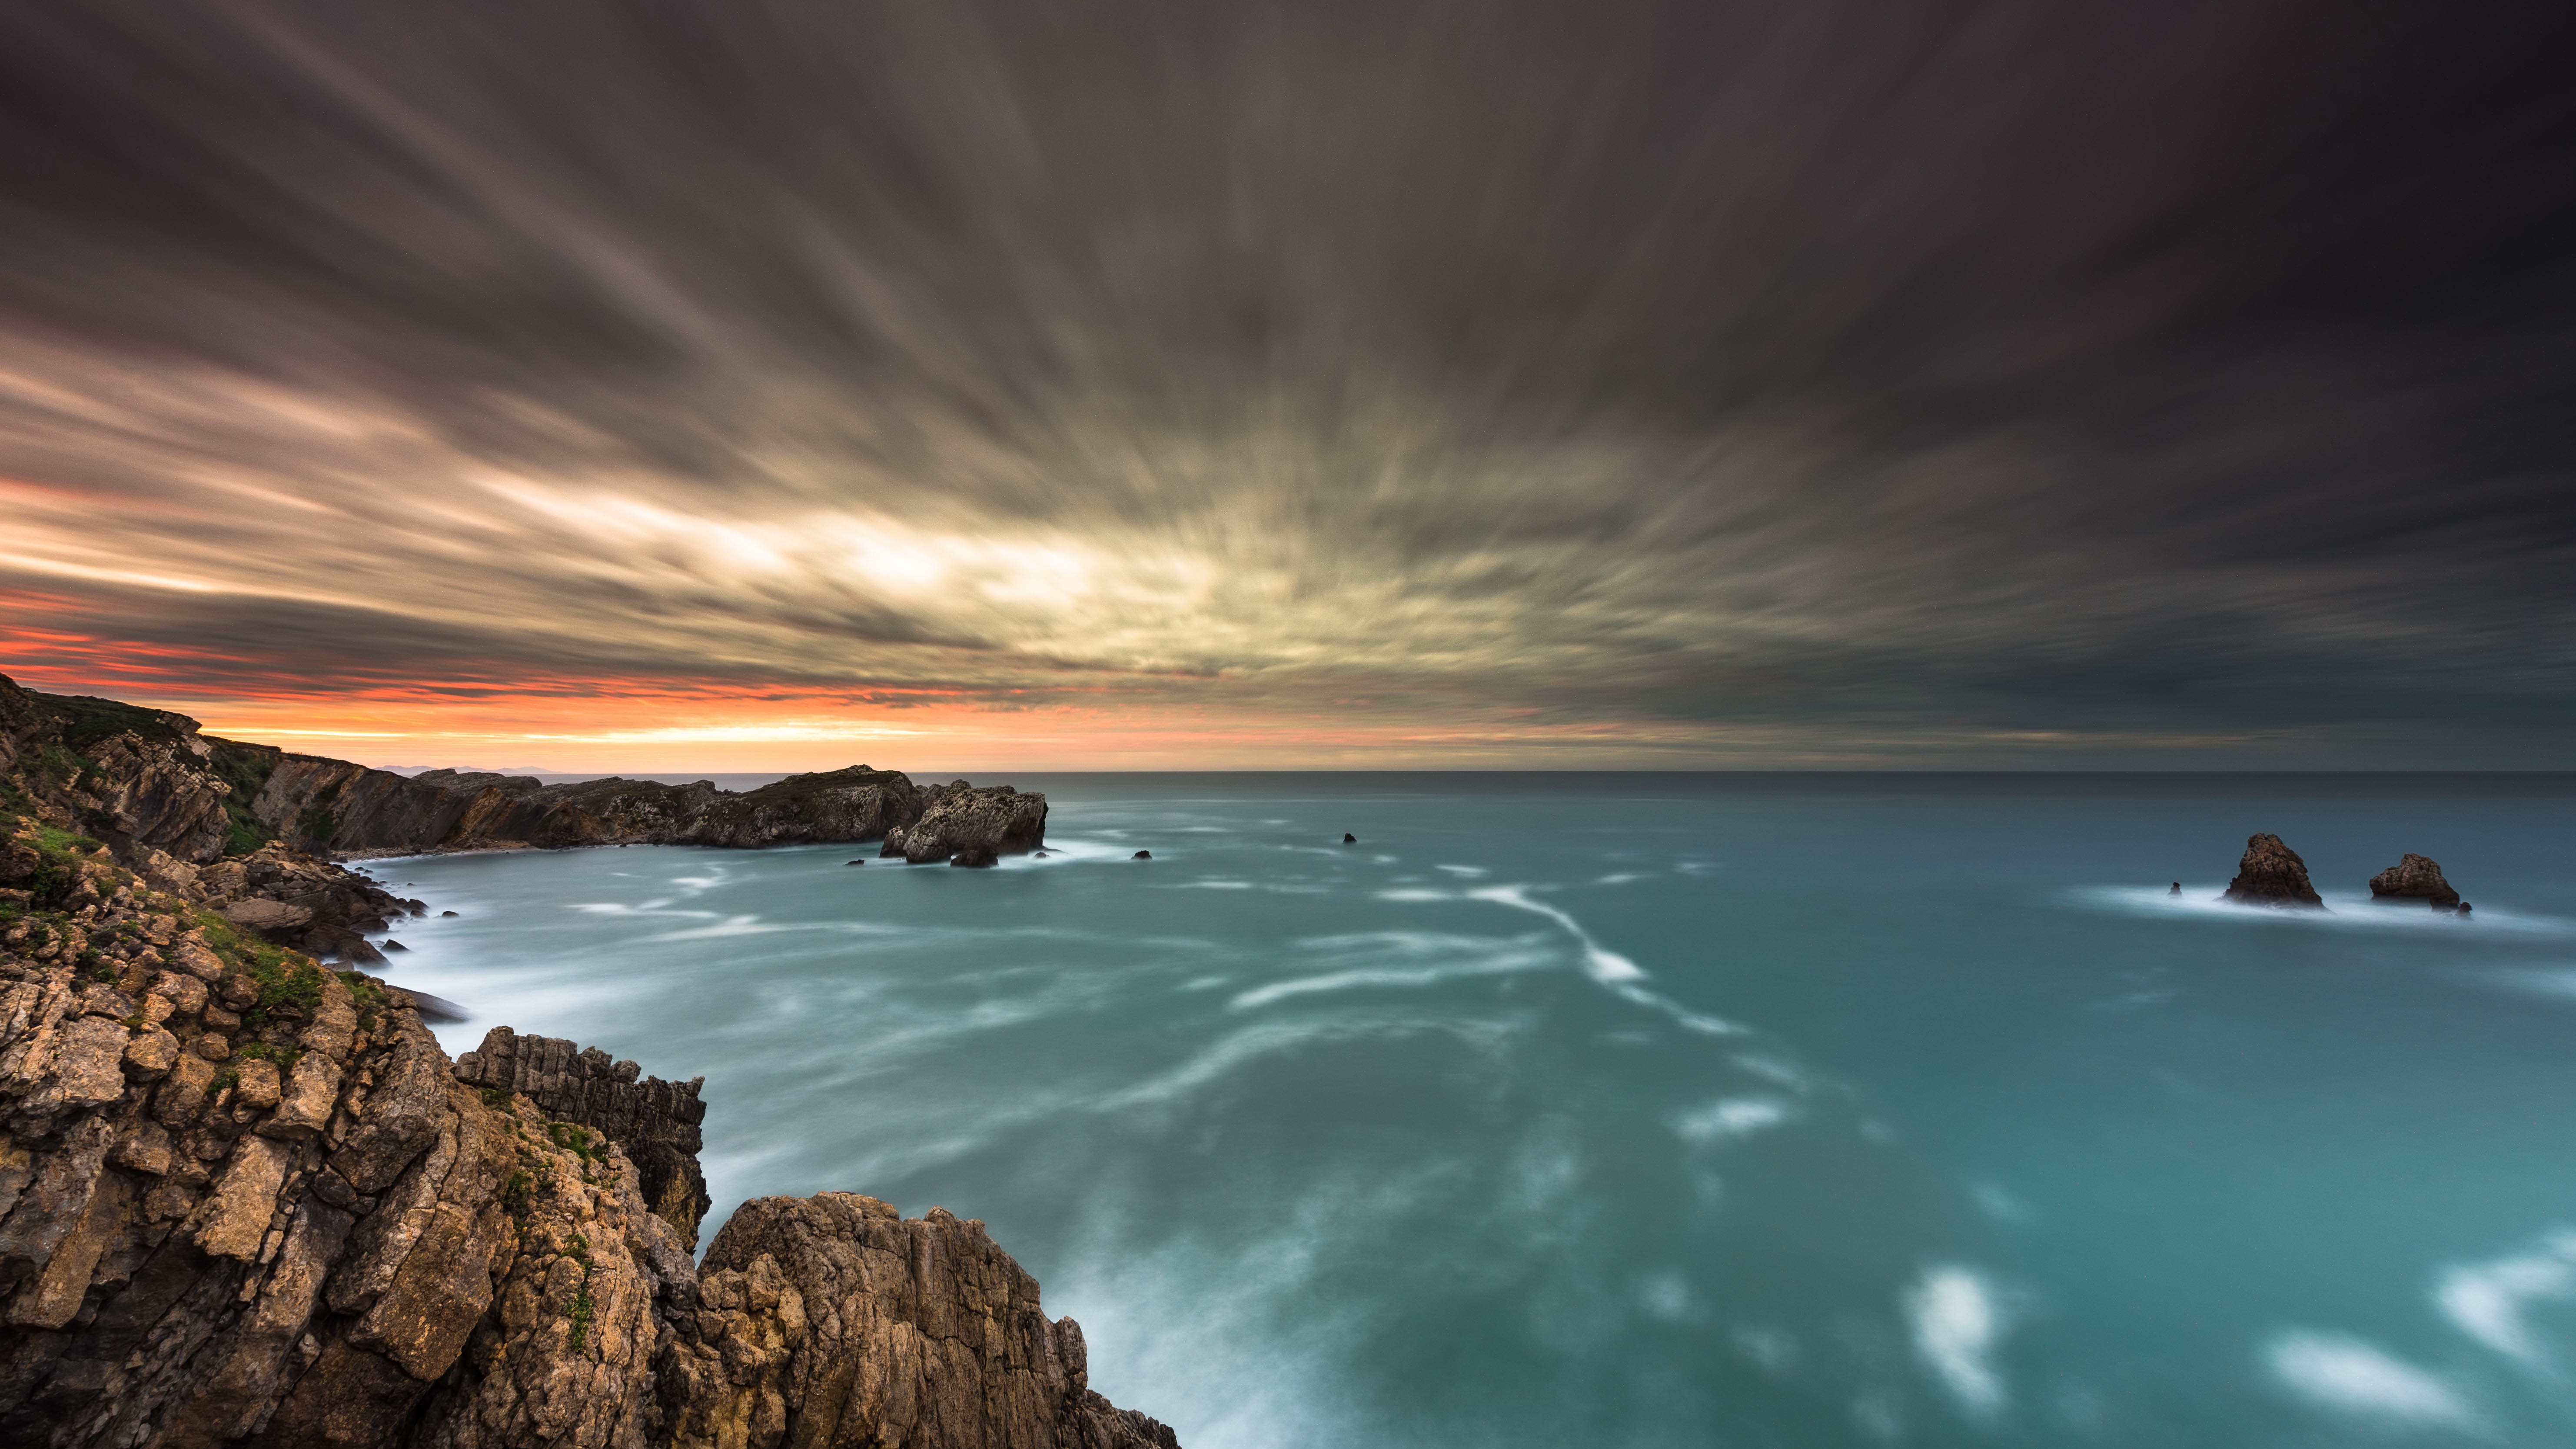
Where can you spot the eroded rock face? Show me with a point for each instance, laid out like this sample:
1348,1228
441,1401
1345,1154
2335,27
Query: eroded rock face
247,1200
2414,878
835,1320
982,824
2271,874
656,1122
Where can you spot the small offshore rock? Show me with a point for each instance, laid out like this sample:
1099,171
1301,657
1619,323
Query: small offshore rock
2271,874
2414,878
2463,908
979,856
854,862
2177,889
1349,839
390,944
1142,855
447,913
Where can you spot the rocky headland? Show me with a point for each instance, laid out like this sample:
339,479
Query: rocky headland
144,777
2271,874
246,1198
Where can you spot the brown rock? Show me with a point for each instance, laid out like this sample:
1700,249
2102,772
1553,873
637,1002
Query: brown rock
2413,878
2271,874
258,1087
833,1320
267,915
151,1054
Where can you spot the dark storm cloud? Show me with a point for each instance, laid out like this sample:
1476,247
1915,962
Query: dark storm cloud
1982,371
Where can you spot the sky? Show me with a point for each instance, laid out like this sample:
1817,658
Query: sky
1798,384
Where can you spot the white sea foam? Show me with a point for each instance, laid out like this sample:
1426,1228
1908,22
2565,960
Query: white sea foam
1957,1322
1729,1119
1469,871
2486,1300
2350,1376
2345,911
1497,963
729,926
1243,1047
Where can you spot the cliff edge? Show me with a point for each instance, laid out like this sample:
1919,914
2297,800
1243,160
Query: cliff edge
246,1199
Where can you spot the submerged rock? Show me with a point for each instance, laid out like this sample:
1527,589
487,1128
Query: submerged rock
2271,874
975,855
2414,878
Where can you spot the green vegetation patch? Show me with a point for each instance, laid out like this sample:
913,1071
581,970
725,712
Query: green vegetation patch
87,719
577,1140
246,768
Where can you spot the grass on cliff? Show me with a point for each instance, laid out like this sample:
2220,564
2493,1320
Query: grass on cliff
288,980
87,719
246,768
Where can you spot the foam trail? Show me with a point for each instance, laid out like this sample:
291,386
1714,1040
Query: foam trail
1729,1118
1956,1324
2486,1300
2339,1372
1608,967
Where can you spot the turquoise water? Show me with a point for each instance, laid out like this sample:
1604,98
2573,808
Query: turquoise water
1658,1111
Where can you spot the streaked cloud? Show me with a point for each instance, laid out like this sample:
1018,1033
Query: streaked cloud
1295,384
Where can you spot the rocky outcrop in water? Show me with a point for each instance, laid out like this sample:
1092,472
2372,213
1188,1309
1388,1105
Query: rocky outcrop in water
244,1199
654,1121
2271,874
981,824
2414,878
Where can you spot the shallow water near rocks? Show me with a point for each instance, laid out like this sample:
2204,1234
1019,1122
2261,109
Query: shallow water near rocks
1656,1111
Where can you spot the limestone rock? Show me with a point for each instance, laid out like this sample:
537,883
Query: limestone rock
656,1122
834,1320
2414,878
2271,874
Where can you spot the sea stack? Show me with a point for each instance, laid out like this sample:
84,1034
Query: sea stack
2271,874
2414,878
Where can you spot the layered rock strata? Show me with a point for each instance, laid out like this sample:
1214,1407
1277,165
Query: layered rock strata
244,1199
656,1122
2414,878
2271,874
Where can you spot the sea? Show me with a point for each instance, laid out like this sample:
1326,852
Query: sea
1608,1110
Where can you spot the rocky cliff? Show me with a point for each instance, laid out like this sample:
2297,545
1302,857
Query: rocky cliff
654,1121
247,1199
140,777
2271,874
